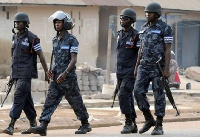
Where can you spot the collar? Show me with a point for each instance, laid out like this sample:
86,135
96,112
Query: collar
21,36
129,32
65,36
157,23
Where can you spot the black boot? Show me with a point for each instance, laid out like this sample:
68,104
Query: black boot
148,123
158,130
84,128
10,129
33,123
130,126
42,129
136,128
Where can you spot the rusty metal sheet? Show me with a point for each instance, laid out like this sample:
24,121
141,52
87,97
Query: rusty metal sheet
44,2
108,2
187,5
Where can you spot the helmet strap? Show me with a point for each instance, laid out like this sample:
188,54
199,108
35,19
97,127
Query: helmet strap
13,30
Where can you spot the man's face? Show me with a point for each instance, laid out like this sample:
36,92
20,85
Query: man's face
125,21
19,25
59,25
150,16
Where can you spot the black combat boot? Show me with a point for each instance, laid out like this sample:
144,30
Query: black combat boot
136,128
148,123
42,129
10,129
158,130
130,126
33,123
84,128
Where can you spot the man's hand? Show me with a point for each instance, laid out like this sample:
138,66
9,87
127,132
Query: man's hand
49,75
47,78
166,73
10,82
61,77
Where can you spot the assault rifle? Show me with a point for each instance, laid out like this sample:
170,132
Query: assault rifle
115,93
10,84
167,89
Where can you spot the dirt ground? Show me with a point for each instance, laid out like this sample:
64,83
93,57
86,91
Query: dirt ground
64,117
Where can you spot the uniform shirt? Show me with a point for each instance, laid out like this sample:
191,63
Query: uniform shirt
62,50
24,57
127,52
153,39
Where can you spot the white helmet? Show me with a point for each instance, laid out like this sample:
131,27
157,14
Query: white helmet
60,15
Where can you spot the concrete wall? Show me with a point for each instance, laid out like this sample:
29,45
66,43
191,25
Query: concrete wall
86,29
5,39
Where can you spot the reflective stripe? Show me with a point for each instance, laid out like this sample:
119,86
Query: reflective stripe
25,43
74,49
37,47
168,39
65,47
156,31
138,44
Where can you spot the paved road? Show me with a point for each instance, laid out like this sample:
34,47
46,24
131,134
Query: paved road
175,129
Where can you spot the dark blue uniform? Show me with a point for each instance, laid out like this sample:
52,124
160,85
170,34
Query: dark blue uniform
127,52
62,50
153,40
23,68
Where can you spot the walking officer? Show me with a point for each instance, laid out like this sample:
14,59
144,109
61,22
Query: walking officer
25,48
156,39
64,79
127,52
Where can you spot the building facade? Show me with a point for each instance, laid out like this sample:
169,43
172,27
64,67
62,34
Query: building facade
91,18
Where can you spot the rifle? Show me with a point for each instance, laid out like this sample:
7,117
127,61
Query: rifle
167,89
115,93
10,84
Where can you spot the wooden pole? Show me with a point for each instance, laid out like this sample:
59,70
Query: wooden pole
109,51
176,40
108,56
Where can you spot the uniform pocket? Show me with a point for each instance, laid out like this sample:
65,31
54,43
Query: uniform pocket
64,50
155,36
25,49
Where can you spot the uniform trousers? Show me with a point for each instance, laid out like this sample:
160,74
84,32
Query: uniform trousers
70,90
23,100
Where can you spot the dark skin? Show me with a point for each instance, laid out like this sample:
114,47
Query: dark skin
20,26
62,76
125,22
152,19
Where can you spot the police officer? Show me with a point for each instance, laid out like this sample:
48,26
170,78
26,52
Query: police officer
64,78
25,48
156,39
127,52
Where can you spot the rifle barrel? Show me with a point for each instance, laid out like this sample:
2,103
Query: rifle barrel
7,92
167,89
